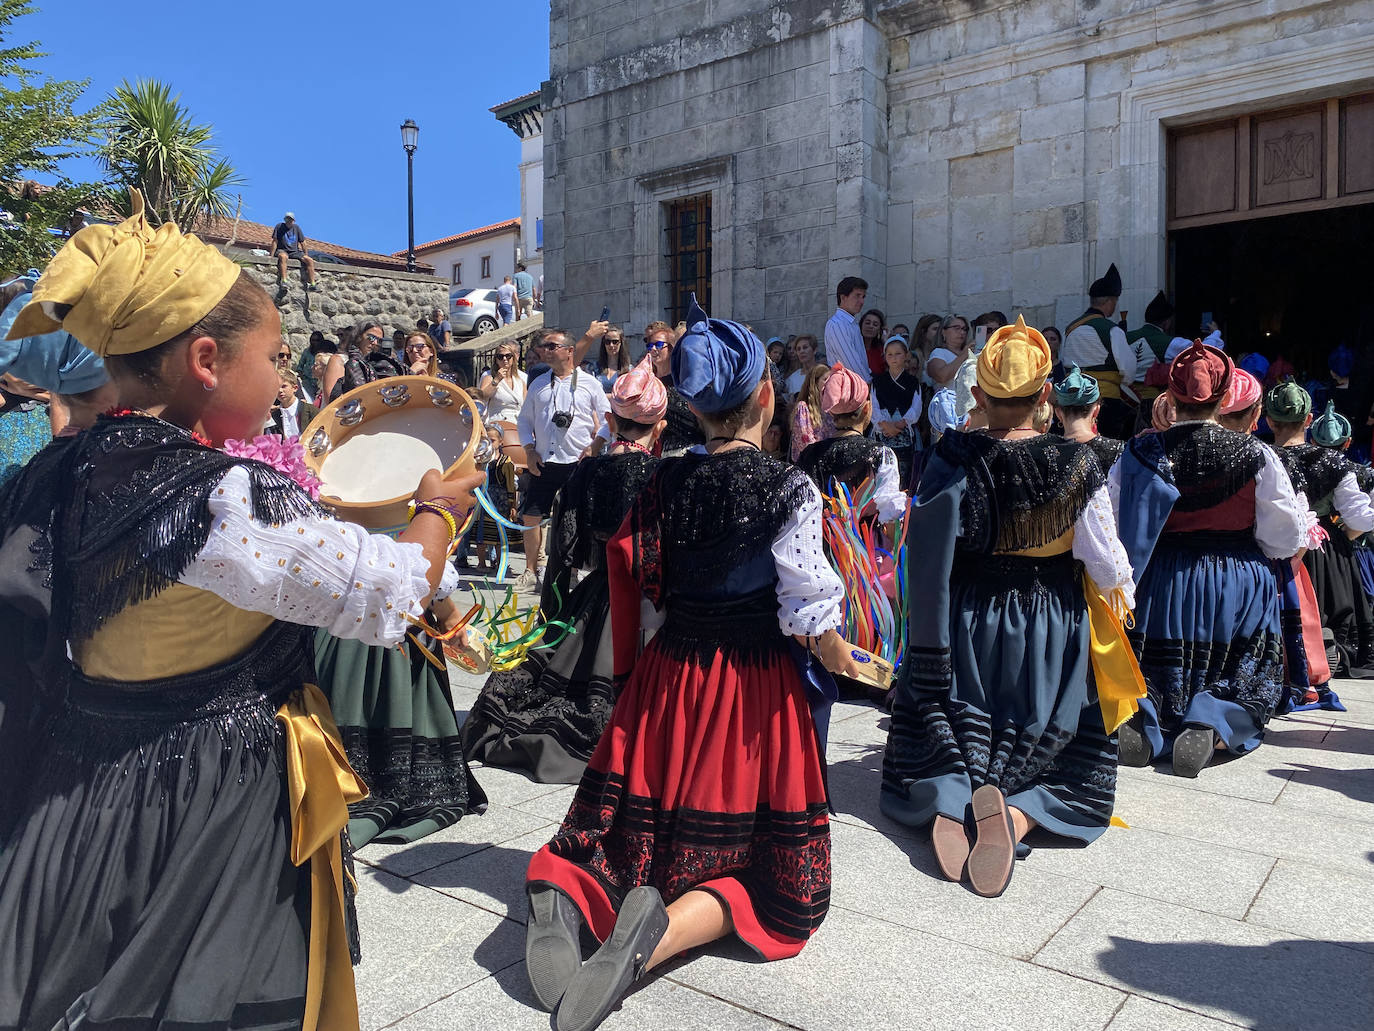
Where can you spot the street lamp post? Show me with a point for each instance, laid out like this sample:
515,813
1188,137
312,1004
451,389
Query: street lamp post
410,140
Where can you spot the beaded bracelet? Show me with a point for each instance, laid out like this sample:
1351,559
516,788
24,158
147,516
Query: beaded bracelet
429,506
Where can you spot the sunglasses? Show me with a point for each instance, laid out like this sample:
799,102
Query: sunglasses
613,340
374,339
284,356
504,357
656,345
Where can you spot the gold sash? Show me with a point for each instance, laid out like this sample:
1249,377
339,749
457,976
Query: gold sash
321,785
1120,684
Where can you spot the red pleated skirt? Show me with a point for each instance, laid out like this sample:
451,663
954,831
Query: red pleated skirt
709,776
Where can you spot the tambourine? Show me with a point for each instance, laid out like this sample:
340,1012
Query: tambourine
370,447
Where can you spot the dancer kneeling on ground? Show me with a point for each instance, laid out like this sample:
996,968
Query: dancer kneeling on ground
998,723
172,788
1202,509
546,715
707,790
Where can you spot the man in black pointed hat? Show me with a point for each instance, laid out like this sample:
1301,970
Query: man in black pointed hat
1099,347
1150,342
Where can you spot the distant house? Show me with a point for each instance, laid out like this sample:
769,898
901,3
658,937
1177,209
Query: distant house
525,117
478,258
255,236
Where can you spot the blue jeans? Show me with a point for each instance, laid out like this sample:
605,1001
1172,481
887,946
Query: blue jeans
507,313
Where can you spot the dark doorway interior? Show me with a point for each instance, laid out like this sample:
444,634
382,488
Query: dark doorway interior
1291,285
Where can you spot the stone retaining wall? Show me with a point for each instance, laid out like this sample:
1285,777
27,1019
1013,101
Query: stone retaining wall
347,294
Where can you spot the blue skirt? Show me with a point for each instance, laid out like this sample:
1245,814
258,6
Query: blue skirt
1022,713
1209,639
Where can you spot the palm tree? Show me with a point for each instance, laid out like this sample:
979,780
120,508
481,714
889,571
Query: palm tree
152,144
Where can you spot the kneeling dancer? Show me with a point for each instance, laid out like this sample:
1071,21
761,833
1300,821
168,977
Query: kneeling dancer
1202,510
998,725
707,790
546,715
172,785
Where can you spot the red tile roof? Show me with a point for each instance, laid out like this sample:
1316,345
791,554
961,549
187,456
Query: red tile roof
256,235
471,234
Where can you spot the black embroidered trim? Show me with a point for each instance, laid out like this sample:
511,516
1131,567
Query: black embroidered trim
683,430
1107,451
851,460
593,503
1210,464
1314,470
1020,494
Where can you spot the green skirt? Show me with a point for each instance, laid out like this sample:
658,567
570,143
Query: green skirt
395,714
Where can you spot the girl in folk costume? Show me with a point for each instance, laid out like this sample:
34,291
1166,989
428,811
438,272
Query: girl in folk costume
1202,509
173,788
998,726
1240,408
546,716
1331,484
849,456
1077,401
896,401
707,791
1288,409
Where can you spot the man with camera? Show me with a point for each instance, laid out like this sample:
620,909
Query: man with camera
561,413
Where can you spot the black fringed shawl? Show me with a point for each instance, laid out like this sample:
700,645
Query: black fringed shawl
1020,494
1209,463
1314,470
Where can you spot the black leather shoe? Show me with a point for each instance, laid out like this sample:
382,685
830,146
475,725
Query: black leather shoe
620,962
552,952
1132,748
1193,750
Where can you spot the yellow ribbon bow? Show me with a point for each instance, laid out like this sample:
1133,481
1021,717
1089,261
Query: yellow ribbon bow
321,786
1120,684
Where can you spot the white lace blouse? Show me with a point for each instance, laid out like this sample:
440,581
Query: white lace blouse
810,594
315,571
1097,546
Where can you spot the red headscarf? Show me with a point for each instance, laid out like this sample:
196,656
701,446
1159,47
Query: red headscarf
1200,375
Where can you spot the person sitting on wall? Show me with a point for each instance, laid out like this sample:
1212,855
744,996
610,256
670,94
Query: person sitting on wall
288,243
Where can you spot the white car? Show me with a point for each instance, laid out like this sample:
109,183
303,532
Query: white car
472,312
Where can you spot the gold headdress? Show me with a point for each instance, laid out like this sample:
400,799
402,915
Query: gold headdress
127,287
1015,362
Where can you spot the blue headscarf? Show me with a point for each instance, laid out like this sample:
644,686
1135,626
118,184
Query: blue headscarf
1255,364
1076,390
717,363
1341,361
54,361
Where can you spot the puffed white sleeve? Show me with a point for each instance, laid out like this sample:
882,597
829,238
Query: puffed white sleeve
887,490
1280,516
1354,505
315,571
810,594
1114,488
913,414
1097,546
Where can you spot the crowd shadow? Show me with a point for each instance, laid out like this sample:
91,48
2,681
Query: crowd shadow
1278,987
1356,785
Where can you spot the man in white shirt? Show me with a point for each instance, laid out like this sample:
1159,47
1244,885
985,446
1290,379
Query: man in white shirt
1099,347
561,413
505,303
843,342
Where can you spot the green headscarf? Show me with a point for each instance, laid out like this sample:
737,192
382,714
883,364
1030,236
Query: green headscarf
1287,402
1076,390
1331,428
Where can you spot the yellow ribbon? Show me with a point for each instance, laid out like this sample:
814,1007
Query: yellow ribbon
321,785
1120,685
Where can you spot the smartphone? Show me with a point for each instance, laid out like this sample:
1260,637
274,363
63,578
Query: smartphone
1206,322
605,314
980,337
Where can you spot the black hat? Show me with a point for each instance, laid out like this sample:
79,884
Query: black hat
1108,286
1158,310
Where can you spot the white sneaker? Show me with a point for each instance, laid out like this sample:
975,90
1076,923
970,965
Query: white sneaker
528,582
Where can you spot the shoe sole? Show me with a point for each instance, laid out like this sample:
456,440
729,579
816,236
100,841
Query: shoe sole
950,843
1131,747
1193,750
993,855
553,955
604,979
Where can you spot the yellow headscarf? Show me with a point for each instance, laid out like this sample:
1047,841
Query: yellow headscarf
1015,362
129,287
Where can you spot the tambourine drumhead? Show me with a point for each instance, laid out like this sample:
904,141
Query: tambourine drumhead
370,447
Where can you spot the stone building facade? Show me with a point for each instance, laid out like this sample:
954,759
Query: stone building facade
961,156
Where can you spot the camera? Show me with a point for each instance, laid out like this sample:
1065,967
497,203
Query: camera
562,420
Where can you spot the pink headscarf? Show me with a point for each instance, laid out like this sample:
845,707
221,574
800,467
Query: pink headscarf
639,395
1243,393
1162,414
845,391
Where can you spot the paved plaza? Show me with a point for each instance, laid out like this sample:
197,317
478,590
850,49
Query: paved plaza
1244,898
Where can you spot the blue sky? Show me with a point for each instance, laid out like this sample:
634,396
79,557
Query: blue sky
307,99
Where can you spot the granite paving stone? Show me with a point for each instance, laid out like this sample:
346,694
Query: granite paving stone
493,878
1221,968
472,833
1140,1014
1317,903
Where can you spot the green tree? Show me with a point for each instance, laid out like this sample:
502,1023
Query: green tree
39,130
152,144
